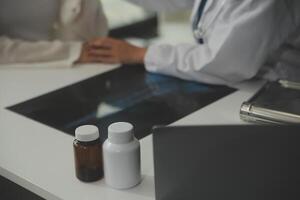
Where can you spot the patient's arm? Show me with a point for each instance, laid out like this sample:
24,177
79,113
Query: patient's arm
44,54
80,21
20,53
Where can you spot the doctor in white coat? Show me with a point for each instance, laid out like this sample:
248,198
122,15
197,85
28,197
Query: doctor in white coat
48,33
233,39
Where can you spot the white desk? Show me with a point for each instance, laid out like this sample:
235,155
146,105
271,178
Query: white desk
40,158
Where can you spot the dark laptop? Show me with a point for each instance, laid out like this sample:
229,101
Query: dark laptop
227,162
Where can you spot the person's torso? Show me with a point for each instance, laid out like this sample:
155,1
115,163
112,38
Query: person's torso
28,19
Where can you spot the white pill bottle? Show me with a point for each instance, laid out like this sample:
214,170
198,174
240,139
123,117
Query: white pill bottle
121,157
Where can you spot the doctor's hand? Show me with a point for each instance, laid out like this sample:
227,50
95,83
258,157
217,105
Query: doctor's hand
112,51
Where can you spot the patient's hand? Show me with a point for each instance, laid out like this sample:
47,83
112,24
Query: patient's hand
86,56
108,50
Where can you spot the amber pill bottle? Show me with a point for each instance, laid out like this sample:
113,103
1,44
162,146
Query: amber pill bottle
88,154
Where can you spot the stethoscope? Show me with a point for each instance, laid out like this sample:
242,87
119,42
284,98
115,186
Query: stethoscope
199,30
196,30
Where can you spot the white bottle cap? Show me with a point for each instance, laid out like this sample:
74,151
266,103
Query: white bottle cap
87,133
120,133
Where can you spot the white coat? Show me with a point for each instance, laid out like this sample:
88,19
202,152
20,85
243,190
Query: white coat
239,35
47,33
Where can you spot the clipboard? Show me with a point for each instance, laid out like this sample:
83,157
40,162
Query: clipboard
277,103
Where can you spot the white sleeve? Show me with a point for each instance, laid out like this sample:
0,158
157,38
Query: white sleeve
164,5
42,54
236,44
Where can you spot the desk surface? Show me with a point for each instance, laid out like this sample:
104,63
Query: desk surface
39,158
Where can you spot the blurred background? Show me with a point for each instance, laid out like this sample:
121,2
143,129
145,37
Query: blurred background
143,27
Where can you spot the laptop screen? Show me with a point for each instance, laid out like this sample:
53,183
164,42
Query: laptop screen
227,162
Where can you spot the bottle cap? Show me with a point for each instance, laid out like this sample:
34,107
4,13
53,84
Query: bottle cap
87,133
120,133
